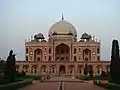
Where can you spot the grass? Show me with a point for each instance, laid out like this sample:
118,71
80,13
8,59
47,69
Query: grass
87,78
97,81
34,77
19,82
108,86
16,85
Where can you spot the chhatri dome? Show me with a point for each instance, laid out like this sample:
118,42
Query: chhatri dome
62,27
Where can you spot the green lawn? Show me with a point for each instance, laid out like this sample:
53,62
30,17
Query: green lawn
16,85
86,78
108,86
19,82
34,77
97,81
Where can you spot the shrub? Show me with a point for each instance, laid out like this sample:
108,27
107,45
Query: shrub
100,78
98,82
104,74
3,81
107,86
16,85
20,74
84,77
91,73
34,77
113,87
93,78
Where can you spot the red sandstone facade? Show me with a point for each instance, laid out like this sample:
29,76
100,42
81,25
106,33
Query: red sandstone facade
62,53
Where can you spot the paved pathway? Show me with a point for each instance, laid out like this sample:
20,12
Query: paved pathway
80,86
68,79
69,84
42,86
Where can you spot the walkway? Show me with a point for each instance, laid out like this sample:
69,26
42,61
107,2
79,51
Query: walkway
69,84
80,86
64,79
42,86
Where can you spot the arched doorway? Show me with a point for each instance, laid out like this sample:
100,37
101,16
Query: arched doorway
80,69
34,69
62,52
25,68
62,69
99,69
52,69
90,67
87,54
71,69
44,69
38,55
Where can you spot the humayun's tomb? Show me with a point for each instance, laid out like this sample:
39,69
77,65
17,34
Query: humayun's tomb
62,53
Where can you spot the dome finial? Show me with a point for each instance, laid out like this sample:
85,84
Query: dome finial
62,17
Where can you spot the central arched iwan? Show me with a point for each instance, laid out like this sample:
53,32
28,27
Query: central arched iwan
62,52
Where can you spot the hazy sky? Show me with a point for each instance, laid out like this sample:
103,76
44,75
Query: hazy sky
19,19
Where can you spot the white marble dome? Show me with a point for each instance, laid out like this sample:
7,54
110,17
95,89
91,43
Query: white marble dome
62,27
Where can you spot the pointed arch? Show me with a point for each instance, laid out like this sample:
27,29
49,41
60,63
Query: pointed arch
25,68
99,69
44,69
80,69
34,69
62,52
71,69
62,69
87,54
52,69
38,54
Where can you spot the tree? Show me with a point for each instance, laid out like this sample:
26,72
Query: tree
23,74
104,74
20,74
115,62
86,69
2,67
91,73
10,69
